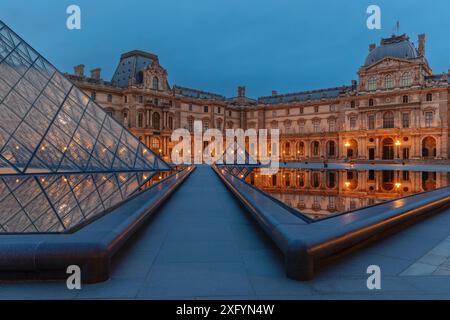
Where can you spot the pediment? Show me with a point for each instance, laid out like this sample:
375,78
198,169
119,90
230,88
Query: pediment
389,62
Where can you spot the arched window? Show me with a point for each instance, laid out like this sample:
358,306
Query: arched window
287,148
155,83
372,84
315,149
388,82
156,144
156,120
406,79
331,149
388,120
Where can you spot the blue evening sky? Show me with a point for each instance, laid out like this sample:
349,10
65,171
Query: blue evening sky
216,45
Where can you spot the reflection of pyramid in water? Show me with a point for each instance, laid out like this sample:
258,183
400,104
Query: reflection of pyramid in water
49,125
243,163
63,160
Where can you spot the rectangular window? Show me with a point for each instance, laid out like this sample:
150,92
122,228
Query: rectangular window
371,175
219,110
428,119
191,125
332,125
405,120
352,123
93,95
301,110
110,98
316,127
141,99
205,109
316,109
125,99
190,107
371,122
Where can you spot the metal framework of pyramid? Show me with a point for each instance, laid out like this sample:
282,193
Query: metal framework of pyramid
62,158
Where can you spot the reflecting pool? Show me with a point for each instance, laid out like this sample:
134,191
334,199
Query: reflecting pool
322,193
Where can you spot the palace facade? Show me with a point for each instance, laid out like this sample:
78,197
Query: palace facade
398,109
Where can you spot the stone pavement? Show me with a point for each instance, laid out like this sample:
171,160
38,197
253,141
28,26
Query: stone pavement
203,245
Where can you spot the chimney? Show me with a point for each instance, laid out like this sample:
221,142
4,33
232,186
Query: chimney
372,46
95,73
422,44
79,70
274,93
241,91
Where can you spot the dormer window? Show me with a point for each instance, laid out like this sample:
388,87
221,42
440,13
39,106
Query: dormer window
155,83
372,84
406,79
388,82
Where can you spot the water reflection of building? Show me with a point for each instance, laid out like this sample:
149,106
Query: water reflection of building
323,192
398,109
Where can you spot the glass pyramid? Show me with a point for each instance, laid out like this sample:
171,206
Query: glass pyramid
52,134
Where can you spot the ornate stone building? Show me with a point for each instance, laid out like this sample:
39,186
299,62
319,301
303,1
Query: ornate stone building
397,110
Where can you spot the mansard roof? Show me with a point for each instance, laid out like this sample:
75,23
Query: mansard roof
130,64
305,95
198,94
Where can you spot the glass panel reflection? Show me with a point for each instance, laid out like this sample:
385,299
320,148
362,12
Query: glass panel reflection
322,193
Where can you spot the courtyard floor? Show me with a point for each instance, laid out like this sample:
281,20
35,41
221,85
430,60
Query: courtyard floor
203,245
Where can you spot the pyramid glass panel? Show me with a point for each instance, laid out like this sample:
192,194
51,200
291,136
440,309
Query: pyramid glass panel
63,159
